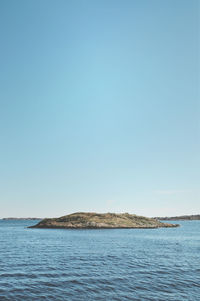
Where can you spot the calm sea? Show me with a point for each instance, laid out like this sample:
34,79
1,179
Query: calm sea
79,265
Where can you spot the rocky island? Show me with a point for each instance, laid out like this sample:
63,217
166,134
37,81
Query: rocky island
90,220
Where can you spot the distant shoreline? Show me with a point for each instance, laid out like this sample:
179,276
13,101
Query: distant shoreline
165,218
180,218
21,218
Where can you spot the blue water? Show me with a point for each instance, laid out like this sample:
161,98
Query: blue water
79,265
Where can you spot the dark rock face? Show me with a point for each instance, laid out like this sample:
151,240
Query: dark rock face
90,220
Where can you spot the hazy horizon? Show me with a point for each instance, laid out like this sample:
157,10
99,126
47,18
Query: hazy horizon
99,107
42,217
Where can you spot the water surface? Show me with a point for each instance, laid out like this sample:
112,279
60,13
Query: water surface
111,264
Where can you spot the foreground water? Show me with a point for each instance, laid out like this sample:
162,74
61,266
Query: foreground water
79,265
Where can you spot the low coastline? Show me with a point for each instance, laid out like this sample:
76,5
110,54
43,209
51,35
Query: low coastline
195,217
21,218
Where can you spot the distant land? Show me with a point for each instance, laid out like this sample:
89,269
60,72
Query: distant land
180,218
92,220
21,218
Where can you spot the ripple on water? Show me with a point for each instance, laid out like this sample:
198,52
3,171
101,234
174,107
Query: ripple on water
99,265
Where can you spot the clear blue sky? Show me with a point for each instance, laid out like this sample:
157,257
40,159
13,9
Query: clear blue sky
99,107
